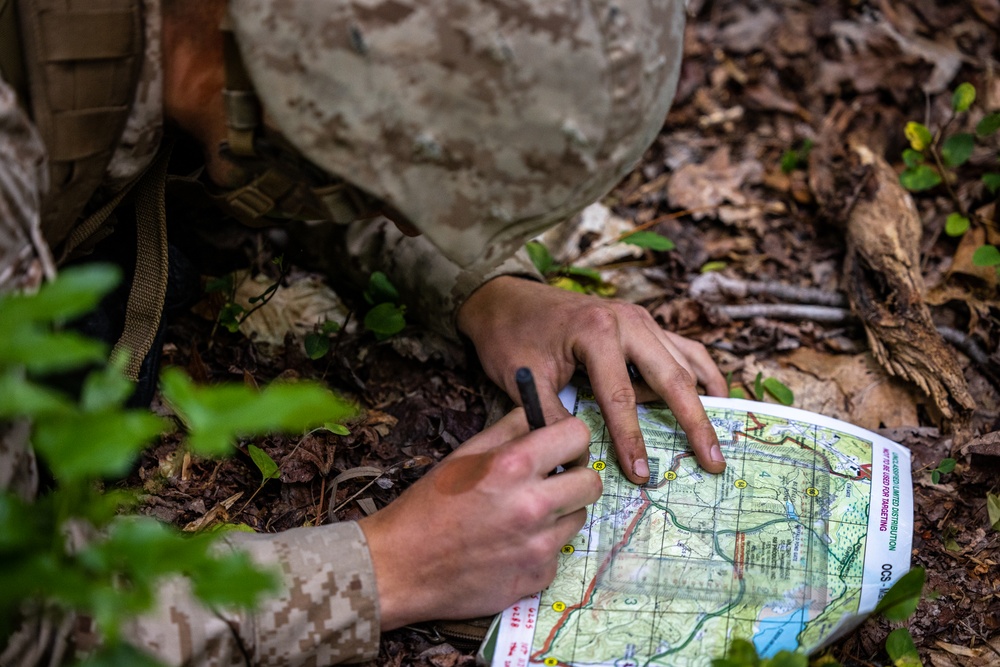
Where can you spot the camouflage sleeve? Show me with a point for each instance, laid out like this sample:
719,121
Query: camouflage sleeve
433,287
326,612
24,257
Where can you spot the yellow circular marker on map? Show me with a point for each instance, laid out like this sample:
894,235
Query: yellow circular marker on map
600,465
670,475
551,662
812,491
558,606
568,549
740,484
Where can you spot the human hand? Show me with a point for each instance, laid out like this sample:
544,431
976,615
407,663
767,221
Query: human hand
514,322
484,527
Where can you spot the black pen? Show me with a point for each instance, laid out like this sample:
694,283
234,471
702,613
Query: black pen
529,398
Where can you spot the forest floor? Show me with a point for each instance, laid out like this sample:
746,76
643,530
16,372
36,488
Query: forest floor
731,182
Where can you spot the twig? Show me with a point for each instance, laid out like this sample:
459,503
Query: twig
714,287
784,311
966,344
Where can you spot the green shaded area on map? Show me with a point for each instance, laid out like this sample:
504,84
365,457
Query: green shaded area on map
666,574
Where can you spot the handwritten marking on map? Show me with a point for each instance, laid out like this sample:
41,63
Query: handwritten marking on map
792,545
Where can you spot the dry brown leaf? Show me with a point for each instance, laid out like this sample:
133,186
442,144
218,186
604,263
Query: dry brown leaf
848,387
962,263
702,187
296,308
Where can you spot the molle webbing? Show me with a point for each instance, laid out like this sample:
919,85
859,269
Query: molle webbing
82,59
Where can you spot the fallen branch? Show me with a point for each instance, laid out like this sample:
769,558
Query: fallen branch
714,287
784,311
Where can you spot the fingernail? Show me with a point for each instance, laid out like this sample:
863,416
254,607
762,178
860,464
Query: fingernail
640,468
716,454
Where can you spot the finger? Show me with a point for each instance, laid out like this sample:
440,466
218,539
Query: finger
606,365
705,369
677,387
546,448
569,525
509,427
572,490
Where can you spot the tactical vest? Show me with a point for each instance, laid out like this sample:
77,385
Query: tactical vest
78,75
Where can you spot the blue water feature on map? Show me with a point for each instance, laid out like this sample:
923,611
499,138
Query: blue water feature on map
790,510
780,632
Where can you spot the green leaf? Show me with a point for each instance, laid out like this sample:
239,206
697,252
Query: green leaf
19,397
119,654
584,272
921,177
957,149
44,352
384,320
217,415
918,135
992,181
963,97
789,161
956,224
787,659
380,289
337,429
742,652
993,509
912,158
116,436
650,240
568,284
229,316
268,468
901,649
77,290
901,600
935,476
988,125
233,580
317,345
736,392
758,386
986,255
946,466
107,388
540,256
779,390
712,266
329,327
221,284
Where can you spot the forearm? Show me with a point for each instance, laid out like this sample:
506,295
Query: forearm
432,287
325,613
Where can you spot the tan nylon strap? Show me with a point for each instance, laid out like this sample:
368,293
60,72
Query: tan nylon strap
149,285
258,197
93,223
69,35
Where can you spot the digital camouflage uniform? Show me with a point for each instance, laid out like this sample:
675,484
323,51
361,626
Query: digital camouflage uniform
328,611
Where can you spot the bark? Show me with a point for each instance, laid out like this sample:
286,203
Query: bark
882,268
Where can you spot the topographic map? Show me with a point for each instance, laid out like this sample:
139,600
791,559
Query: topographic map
794,543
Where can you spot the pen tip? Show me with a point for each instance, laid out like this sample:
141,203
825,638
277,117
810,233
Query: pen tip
523,374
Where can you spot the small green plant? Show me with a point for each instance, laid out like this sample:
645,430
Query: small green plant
232,314
573,278
773,386
86,438
387,317
934,159
993,510
317,343
586,280
793,158
943,468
